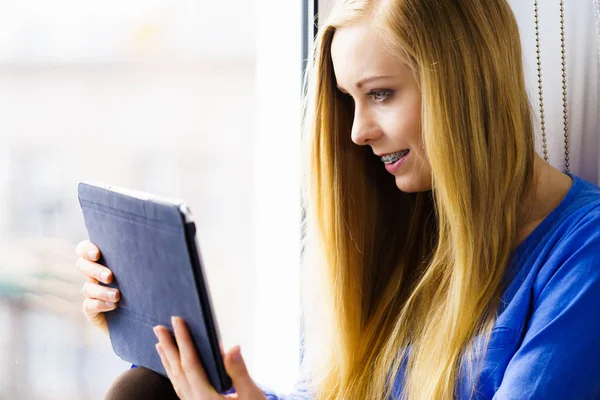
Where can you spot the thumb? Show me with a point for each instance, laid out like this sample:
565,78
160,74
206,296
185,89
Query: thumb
243,383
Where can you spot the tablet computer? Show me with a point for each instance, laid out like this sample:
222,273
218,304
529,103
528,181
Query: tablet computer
149,243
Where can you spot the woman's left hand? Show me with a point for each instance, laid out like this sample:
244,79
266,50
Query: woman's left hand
186,373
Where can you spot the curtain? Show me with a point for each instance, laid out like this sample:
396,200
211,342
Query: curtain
582,31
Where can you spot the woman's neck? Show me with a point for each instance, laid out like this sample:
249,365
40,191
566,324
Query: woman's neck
550,186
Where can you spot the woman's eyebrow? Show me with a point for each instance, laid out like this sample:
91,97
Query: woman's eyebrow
362,82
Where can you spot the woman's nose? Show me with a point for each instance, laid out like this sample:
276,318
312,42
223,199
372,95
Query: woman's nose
364,129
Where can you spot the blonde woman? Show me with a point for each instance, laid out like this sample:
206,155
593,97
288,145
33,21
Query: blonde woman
444,258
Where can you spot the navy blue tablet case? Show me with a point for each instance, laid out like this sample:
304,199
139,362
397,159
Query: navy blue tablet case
152,252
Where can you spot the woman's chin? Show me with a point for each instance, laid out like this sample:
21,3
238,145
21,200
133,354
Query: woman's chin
412,184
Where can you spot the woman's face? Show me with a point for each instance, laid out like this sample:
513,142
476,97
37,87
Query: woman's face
387,104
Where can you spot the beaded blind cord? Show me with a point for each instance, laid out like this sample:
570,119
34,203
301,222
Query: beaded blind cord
564,82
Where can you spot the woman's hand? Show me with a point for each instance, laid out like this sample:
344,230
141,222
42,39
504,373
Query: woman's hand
186,373
98,299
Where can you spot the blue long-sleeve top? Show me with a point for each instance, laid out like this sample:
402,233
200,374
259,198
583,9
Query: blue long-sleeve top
545,343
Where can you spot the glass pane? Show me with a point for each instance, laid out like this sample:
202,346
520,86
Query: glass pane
153,95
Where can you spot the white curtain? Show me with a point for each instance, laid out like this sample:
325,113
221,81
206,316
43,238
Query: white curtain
582,31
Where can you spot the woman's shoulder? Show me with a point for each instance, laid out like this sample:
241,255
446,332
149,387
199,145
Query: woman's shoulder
554,307
578,214
587,192
569,241
582,213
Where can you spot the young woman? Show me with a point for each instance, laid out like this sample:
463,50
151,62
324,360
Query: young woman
445,259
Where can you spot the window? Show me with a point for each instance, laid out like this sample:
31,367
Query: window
187,99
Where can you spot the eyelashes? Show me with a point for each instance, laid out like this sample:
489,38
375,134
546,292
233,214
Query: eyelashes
377,96
380,96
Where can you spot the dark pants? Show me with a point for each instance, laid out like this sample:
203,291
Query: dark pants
141,384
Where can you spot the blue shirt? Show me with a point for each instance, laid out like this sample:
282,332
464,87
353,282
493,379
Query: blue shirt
546,340
545,343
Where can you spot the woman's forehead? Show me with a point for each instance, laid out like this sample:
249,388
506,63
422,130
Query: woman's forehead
359,52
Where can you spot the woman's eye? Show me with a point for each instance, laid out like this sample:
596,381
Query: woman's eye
379,96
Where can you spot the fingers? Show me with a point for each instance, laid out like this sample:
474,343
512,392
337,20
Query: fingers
237,370
185,370
93,307
163,358
94,310
98,299
88,250
189,358
165,362
94,291
175,372
182,360
92,270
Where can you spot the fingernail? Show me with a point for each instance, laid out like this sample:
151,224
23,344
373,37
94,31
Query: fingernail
155,329
237,354
108,303
92,253
173,319
104,275
113,295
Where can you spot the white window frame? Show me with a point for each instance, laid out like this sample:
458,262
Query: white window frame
277,204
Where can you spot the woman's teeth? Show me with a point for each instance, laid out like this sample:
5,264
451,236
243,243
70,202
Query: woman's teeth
392,158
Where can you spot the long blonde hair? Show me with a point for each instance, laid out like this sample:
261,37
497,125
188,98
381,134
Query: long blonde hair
386,271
